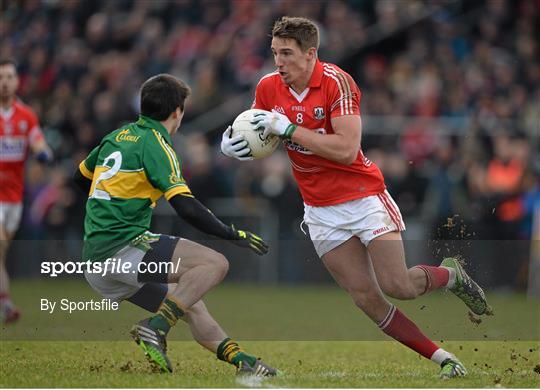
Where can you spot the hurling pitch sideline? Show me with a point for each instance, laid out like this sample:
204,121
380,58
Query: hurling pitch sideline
99,353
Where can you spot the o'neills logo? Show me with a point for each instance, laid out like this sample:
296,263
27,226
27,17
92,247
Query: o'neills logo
175,179
124,136
381,230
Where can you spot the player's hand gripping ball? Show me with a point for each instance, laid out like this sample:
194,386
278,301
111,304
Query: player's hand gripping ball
243,142
273,123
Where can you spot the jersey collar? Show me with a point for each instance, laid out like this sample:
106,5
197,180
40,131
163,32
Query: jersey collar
150,123
316,76
7,113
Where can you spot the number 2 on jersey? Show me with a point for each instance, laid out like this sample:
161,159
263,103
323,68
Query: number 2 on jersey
117,158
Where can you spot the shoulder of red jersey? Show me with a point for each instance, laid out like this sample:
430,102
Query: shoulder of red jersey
24,109
334,75
343,91
268,79
265,90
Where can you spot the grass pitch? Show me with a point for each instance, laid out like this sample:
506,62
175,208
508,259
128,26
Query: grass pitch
286,326
302,364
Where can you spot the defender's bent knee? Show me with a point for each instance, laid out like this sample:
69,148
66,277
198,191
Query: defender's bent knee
222,264
218,263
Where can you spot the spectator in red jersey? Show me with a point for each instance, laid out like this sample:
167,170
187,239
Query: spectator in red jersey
19,131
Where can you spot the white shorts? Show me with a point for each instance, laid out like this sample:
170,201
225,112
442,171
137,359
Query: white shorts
366,218
115,285
10,216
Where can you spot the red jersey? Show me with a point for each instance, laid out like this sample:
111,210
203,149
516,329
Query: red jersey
331,92
19,128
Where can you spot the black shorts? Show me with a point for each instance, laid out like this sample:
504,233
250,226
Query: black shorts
150,296
161,252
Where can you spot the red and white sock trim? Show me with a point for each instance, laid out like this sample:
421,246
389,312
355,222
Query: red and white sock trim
389,316
437,277
392,210
429,282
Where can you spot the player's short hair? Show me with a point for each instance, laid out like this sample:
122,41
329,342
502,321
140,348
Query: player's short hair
161,95
304,31
8,61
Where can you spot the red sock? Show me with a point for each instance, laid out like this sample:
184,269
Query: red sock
4,296
400,328
437,277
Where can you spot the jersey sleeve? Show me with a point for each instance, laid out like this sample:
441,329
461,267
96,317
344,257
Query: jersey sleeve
343,95
162,167
260,100
88,165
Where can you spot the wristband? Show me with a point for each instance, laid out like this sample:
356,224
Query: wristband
44,157
289,131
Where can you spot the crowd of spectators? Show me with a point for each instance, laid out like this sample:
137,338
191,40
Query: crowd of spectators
450,101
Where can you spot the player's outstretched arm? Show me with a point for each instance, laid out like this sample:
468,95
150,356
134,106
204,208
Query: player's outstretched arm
197,215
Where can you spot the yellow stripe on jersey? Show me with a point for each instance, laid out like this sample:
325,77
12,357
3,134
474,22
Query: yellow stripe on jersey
175,159
127,185
85,171
178,190
172,158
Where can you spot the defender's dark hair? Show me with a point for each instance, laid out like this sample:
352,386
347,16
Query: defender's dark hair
302,30
161,95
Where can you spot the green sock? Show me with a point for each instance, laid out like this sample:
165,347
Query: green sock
230,352
167,315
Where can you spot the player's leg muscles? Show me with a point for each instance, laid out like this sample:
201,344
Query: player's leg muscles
388,258
204,328
395,279
350,266
207,332
196,270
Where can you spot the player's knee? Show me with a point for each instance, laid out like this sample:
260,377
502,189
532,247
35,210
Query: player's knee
218,263
363,297
223,265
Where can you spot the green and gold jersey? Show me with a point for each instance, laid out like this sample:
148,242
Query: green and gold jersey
130,170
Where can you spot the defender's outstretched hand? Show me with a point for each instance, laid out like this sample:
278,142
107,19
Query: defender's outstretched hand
236,147
250,240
